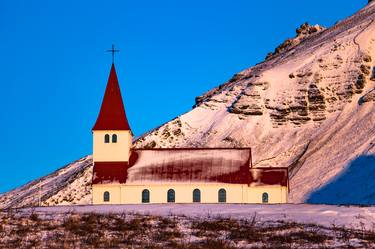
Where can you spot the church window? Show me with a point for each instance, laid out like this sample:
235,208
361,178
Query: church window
196,195
145,196
106,138
114,138
265,197
106,196
171,196
222,195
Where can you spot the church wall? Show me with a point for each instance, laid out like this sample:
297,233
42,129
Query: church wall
235,193
183,193
111,152
276,194
99,189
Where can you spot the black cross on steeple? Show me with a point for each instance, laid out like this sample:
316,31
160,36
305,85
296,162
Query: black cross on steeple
113,51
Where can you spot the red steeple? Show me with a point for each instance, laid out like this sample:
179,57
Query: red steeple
112,112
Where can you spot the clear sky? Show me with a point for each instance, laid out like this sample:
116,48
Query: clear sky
54,68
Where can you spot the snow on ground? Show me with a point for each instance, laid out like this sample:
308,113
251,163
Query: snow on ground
325,215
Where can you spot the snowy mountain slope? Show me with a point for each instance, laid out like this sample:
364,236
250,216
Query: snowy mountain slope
303,108
69,185
309,107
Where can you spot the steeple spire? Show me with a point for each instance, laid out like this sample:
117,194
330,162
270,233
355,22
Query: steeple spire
112,114
113,51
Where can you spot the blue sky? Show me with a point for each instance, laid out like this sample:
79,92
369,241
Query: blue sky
54,68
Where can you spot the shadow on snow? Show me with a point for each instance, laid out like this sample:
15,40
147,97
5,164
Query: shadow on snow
355,185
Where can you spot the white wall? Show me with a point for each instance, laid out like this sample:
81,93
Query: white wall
236,193
111,152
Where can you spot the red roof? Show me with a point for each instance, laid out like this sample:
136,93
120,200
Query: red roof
208,165
109,172
112,112
269,176
225,165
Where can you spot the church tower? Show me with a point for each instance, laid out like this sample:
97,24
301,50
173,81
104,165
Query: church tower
112,136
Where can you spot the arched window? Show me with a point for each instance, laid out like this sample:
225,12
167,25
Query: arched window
171,196
106,196
196,195
114,138
145,196
222,195
265,197
106,138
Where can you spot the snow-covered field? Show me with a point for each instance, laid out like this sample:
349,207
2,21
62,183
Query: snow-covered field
188,226
324,215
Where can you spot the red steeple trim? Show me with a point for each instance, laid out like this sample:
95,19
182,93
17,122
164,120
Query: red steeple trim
112,113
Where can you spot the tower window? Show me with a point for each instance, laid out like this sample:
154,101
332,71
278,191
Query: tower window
222,195
106,138
265,197
171,197
106,196
145,196
114,138
196,195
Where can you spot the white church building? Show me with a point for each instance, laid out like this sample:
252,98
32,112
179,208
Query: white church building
126,175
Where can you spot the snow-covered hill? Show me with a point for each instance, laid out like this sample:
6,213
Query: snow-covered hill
69,185
309,107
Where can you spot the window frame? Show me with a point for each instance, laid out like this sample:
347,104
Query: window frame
106,196
114,138
145,196
265,197
222,195
171,196
197,196
107,139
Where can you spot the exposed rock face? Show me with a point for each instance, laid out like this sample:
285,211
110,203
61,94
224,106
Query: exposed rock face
249,100
368,97
309,107
302,33
170,133
317,104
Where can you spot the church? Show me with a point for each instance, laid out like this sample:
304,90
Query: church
126,175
